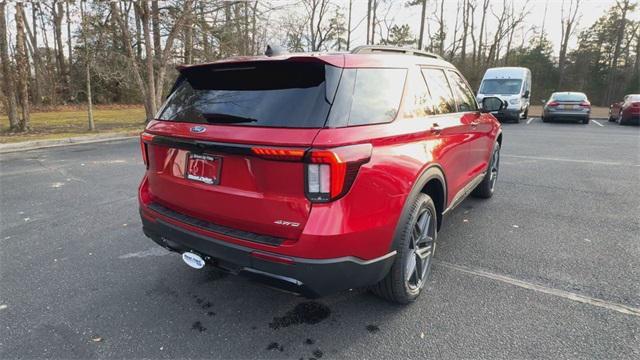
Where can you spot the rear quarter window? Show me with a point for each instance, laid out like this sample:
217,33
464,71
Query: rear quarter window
463,94
367,96
440,91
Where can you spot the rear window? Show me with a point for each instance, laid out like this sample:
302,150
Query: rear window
569,97
367,96
271,94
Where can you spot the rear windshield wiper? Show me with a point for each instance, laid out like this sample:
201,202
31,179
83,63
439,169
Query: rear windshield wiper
226,118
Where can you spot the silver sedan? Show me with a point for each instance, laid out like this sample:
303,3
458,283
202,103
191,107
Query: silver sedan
567,106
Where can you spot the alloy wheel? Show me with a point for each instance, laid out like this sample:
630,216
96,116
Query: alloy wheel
421,249
495,166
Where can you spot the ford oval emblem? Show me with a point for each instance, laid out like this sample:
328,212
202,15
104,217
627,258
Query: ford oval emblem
198,129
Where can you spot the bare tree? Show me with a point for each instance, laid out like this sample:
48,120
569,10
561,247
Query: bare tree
423,13
480,51
87,61
8,86
70,56
568,27
349,27
155,76
57,11
624,6
368,21
319,31
22,62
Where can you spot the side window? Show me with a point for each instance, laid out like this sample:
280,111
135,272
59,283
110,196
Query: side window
464,96
440,91
420,105
376,95
367,96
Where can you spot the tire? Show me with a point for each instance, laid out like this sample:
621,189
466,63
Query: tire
611,119
585,121
486,188
545,119
620,119
526,114
404,282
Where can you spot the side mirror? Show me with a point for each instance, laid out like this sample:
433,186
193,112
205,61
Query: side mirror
491,104
543,101
526,94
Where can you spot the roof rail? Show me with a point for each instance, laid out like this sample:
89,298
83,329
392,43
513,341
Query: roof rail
365,49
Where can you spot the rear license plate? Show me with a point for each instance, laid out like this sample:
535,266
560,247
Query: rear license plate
203,168
561,107
576,107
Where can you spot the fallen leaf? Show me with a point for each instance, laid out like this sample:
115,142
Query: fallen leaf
96,338
421,335
516,226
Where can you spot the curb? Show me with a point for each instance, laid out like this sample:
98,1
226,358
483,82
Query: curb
42,144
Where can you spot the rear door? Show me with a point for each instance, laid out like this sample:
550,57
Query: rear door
480,140
452,128
227,146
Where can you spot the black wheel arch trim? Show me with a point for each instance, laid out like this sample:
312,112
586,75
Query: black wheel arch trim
433,171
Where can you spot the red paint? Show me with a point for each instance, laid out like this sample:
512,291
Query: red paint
267,185
628,109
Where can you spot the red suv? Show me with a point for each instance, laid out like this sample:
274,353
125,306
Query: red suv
317,172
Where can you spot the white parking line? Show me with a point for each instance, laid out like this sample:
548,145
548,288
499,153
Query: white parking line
625,309
530,120
570,160
597,123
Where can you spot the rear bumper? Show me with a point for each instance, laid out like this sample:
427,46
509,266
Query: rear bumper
569,115
309,277
631,118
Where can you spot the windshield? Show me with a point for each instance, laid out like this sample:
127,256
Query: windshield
500,86
272,94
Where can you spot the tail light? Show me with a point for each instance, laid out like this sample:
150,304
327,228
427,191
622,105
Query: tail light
329,173
553,104
585,104
635,104
278,153
144,139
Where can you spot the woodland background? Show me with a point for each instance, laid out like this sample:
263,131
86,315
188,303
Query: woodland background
65,53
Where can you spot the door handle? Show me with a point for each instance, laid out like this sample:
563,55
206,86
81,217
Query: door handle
436,129
475,123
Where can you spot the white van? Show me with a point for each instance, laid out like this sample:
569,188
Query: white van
511,84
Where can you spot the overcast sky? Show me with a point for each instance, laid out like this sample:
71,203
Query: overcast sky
590,11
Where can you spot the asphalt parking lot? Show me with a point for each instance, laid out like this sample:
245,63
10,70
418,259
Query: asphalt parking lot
548,268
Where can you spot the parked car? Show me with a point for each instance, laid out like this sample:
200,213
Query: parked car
567,105
317,172
511,84
627,111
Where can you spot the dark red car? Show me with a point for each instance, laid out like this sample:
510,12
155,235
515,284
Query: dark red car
317,172
627,111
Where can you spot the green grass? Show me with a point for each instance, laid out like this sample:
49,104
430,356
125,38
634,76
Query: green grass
60,124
